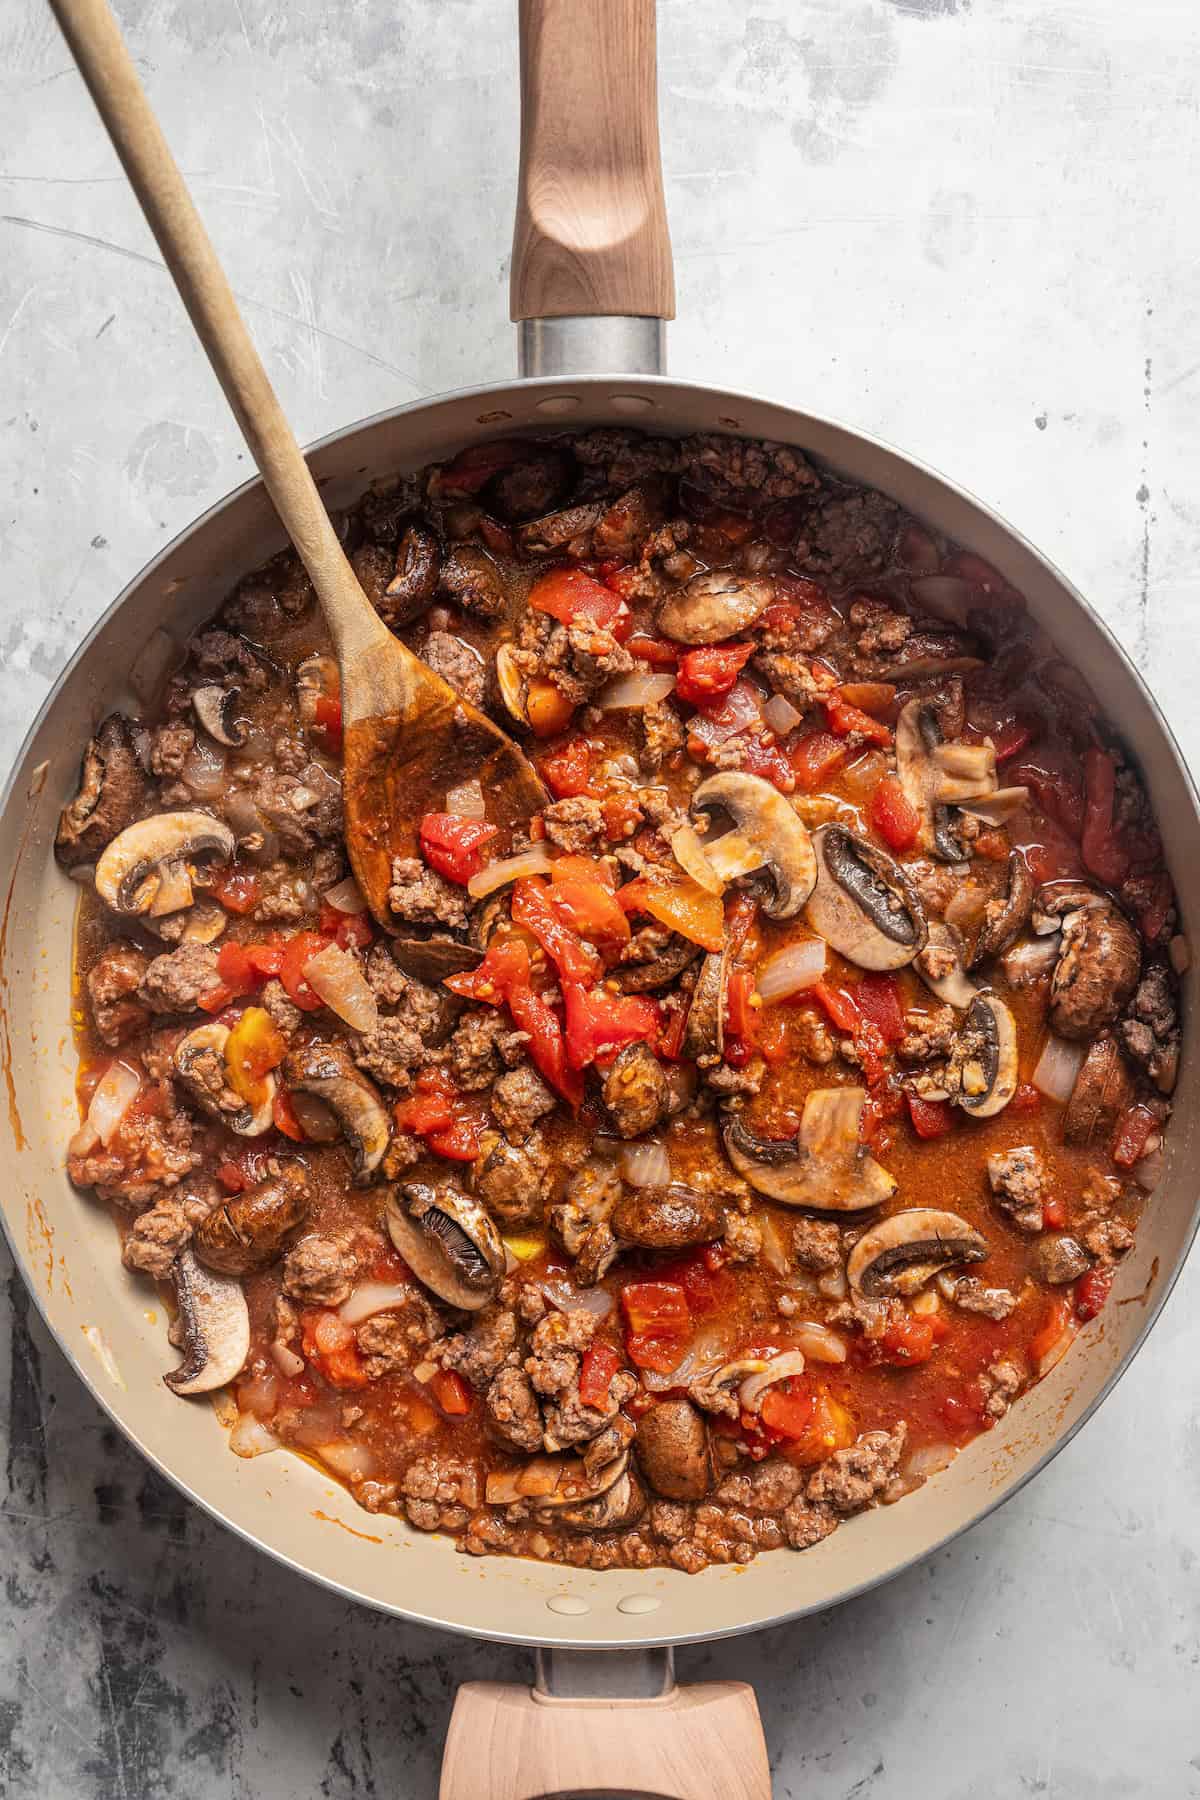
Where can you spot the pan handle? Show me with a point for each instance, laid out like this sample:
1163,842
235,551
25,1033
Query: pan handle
605,1721
592,279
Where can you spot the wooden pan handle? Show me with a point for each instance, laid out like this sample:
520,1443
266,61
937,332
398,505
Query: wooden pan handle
591,233
106,66
695,1743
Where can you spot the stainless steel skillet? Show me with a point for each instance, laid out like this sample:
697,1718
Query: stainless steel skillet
591,283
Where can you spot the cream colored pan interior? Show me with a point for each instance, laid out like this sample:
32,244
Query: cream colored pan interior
109,1323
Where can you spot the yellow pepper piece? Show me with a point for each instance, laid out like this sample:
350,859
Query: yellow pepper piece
526,1248
683,906
255,1047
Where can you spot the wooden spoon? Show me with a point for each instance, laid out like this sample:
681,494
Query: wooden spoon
408,735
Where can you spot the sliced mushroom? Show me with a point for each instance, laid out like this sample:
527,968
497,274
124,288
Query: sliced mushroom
714,605
150,866
473,581
622,1503
774,1370
718,1390
532,486
768,823
940,966
1007,915
199,1065
317,678
657,970
216,1328
704,1034
901,1253
202,923
557,530
1058,1259
448,1242
937,775
989,1067
509,1182
251,1230
216,707
414,584
1102,1090
112,792
432,959
550,1482
925,654
513,685
1100,959
826,1167
672,1450
864,904
667,1218
328,1072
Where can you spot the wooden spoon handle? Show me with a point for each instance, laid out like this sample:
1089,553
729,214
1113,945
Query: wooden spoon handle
591,233
99,50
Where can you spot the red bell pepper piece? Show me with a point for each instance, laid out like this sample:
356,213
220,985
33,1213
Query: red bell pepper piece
600,1364
1099,844
709,673
572,597
452,1393
598,1023
893,815
574,960
930,1118
567,771
453,846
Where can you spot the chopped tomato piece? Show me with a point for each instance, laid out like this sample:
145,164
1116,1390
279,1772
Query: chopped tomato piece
1102,851
265,958
1134,1127
503,979
893,815
231,1178
283,1115
658,1308
572,597
660,653
236,970
216,999
298,952
868,696
1026,1099
789,1407
877,997
452,1393
709,673
474,467
622,816
816,758
738,710
460,1140
839,1005
599,1022
590,908
672,1034
328,1341
600,1364
430,1108
662,1354
993,845
547,708
453,846
328,719
909,1340
1054,1213
1091,1291
773,1036
763,755
574,960
845,719
567,771
740,1017
706,1282
237,889
930,1118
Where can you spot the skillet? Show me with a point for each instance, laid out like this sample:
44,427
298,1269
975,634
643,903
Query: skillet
591,290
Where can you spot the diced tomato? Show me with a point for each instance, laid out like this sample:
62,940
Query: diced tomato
1054,1213
1055,1321
590,909
460,1140
600,1364
740,1016
738,710
843,719
660,653
453,846
762,755
622,815
816,758
672,1034
706,1282
658,1308
1102,851
576,867
1014,735
231,1178
265,958
430,1107
575,961
1026,1099
798,602
1091,1291
567,771
599,1022
869,696
236,969
877,997
709,673
893,815
354,931
216,999
963,1413
452,1393
772,1035
930,1118
503,979
839,1005
662,1354
236,888
328,1341
283,1115
993,845
328,718
682,905
788,1407
298,952
572,597
472,469
908,1341
1134,1127
547,708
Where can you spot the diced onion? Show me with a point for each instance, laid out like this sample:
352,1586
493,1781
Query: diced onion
1056,1352
204,769
712,1346
347,896
151,663
779,1368
371,1297
335,977
467,801
776,1248
286,1360
646,1165
781,715
597,1301
631,692
508,868
927,1460
1148,1169
733,854
250,1437
115,1093
687,847
817,1342
1058,1068
259,1394
353,1461
792,969
945,596
84,1141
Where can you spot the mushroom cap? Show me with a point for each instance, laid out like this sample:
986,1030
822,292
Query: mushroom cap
864,905
111,793
657,971
667,1218
899,1254
825,1167
952,985
770,824
1098,965
216,1327
1103,1089
412,587
216,708
550,1482
329,1072
251,1230
990,1019
937,775
672,1450
448,1241
714,605
704,1033
1005,919
134,866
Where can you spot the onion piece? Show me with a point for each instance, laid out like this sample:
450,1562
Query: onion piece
353,1462
151,663
508,868
84,1140
776,1248
711,1347
817,1342
1148,1169
115,1093
597,1301
781,715
286,1360
687,847
371,1297
347,896
792,969
467,801
779,1368
929,1459
250,1437
1058,1068
626,693
204,769
646,1164
335,977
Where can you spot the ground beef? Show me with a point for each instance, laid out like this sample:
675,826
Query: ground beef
519,1099
878,627
851,1479
394,1053
160,1233
483,1044
152,1151
300,822
732,467
574,825
1001,1384
458,663
112,982
1107,1240
662,735
817,1245
174,983
1150,1028
578,659
813,1038
228,659
284,1013
320,1271
765,1487
1018,1182
424,897
927,1034
1058,1259
390,1342
791,674
557,1345
440,1493
725,1080
848,536
169,748
285,895
513,1411
743,1238
423,1007
478,1354
970,1293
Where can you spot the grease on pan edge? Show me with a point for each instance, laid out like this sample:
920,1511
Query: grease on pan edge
571,1604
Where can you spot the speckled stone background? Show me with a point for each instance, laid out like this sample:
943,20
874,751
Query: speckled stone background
969,225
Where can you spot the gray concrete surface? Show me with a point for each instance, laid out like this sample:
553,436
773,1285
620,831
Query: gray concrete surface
970,225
